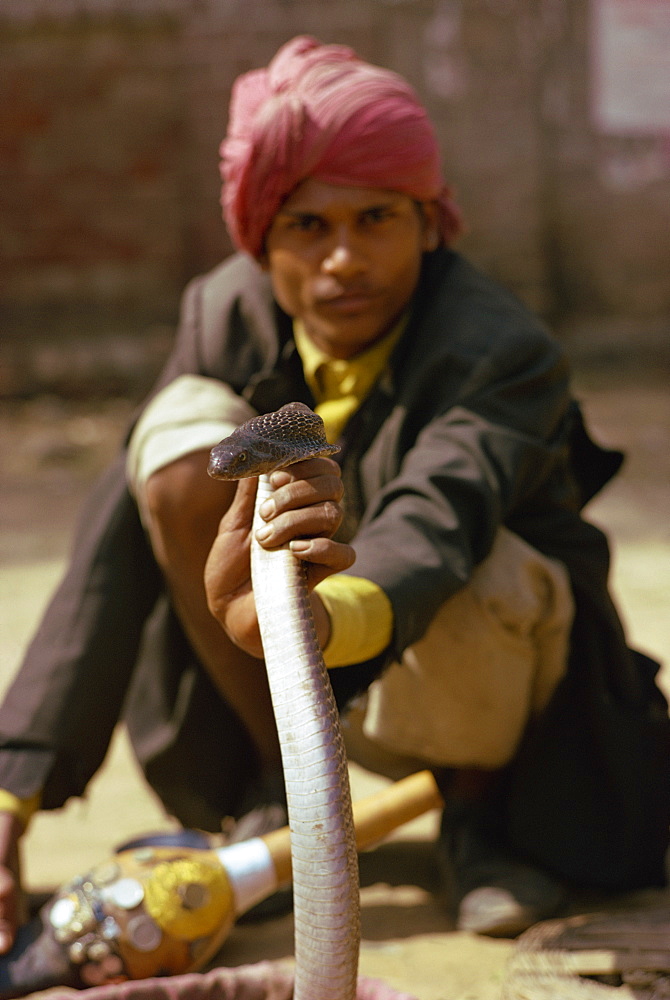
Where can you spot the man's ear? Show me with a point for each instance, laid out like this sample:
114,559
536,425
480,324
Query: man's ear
431,225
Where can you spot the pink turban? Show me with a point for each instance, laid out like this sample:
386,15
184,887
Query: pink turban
320,111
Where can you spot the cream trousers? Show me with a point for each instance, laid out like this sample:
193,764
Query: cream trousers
463,694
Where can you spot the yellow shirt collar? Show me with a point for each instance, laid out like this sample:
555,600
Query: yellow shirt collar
340,386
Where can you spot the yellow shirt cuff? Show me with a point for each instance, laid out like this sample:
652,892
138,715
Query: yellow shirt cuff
23,809
361,619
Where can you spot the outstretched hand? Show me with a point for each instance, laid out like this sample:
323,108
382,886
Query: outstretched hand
304,511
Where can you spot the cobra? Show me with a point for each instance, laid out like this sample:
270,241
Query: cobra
323,847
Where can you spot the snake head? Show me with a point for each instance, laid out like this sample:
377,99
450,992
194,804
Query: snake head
270,441
235,458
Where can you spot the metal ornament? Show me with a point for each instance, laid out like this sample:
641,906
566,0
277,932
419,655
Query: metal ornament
147,912
126,893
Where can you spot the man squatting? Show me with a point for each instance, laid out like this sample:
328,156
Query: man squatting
474,633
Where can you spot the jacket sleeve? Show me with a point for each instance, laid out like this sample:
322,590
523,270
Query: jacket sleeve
477,462
59,713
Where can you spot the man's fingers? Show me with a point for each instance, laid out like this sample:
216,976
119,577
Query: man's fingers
311,468
320,519
302,484
324,553
302,493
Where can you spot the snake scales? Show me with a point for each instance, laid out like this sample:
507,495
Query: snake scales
323,848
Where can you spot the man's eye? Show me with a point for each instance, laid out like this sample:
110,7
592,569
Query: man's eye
376,215
307,224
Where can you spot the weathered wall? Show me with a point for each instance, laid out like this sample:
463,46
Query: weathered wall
94,126
606,196
112,112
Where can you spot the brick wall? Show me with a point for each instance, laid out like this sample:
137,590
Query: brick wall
94,127
112,112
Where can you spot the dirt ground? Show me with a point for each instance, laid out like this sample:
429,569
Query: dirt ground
51,449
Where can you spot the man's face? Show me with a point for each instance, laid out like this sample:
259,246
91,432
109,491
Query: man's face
346,261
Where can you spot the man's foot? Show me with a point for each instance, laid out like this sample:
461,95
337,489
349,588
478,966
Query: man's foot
492,893
259,820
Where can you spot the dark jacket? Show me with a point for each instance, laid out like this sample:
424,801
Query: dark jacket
471,426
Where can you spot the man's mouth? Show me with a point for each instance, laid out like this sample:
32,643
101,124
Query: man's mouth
332,295
349,303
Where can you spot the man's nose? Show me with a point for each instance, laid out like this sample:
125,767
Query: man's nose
343,259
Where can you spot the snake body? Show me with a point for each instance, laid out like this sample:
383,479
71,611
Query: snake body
323,847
